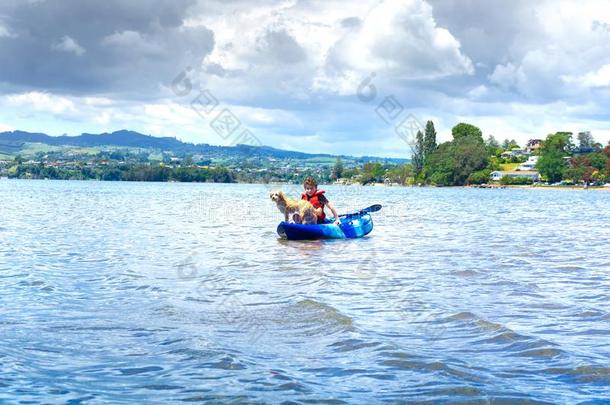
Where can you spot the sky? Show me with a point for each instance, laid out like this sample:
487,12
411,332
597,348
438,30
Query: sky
325,76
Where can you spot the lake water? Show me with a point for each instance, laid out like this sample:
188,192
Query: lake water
157,293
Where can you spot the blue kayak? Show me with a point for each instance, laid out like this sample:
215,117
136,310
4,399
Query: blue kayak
352,226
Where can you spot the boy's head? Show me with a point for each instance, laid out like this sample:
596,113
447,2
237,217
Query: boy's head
311,186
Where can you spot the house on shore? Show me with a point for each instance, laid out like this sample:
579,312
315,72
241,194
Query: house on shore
532,174
515,152
533,145
530,165
583,150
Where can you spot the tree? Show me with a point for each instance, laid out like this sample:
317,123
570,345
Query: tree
429,140
116,155
564,139
469,152
469,155
587,168
400,174
598,160
112,174
337,171
418,153
551,163
463,130
479,177
372,172
453,162
350,173
493,147
494,163
439,167
585,139
510,144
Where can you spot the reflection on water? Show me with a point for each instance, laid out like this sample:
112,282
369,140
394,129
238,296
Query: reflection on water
122,292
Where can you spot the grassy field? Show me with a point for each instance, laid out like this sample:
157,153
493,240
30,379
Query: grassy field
30,149
155,156
507,167
320,160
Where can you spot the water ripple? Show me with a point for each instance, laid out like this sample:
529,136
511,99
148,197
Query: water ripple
158,293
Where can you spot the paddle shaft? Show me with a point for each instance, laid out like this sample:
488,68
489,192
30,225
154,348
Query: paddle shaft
372,208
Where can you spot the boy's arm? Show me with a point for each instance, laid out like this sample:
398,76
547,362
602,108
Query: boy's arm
334,211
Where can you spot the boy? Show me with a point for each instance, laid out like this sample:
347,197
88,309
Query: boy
318,200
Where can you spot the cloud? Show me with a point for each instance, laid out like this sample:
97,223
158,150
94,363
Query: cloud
487,34
280,47
129,49
401,39
507,76
565,41
292,54
598,78
67,44
5,32
41,102
290,69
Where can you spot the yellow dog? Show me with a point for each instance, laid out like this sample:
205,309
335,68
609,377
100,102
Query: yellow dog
304,212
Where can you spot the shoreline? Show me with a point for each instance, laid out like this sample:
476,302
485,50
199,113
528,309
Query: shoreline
547,187
279,184
484,186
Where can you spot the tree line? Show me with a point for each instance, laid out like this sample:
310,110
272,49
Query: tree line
561,160
466,159
469,159
155,173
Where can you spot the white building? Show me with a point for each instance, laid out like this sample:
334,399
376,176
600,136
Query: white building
530,165
497,175
515,152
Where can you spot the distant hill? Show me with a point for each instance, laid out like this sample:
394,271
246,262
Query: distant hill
11,141
118,138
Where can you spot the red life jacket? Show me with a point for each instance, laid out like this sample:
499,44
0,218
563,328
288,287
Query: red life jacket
315,201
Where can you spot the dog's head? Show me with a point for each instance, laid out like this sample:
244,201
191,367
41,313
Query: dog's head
277,196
